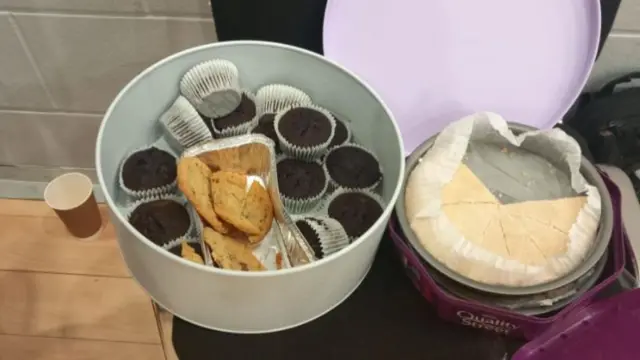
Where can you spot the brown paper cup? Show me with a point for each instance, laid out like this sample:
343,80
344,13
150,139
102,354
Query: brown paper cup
71,197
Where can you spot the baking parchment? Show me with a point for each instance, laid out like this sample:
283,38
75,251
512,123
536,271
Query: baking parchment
535,165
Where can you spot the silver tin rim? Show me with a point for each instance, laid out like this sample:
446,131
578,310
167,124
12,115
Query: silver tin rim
583,285
588,170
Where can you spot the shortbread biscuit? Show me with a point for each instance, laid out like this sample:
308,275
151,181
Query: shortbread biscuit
229,253
193,181
190,253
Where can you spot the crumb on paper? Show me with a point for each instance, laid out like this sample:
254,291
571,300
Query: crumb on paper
278,260
504,150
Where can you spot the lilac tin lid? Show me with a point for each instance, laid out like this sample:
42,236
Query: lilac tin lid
436,61
607,329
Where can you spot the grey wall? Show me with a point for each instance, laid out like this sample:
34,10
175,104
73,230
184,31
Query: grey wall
63,61
621,53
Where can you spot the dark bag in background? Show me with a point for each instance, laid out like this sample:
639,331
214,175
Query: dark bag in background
609,123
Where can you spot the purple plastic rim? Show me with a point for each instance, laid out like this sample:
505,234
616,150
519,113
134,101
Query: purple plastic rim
499,320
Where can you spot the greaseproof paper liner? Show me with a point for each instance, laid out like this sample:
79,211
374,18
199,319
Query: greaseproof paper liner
141,194
193,216
183,125
301,205
308,153
237,129
212,87
253,155
277,97
331,234
341,191
334,184
455,144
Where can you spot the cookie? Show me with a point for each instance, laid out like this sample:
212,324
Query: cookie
193,181
230,253
190,253
250,212
258,209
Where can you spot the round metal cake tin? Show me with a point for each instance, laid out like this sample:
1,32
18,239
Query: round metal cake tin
581,286
592,176
248,302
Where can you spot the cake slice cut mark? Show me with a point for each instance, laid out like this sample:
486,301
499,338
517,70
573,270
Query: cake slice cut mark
466,187
471,220
518,240
558,213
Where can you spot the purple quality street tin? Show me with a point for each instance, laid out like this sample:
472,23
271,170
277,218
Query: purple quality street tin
498,320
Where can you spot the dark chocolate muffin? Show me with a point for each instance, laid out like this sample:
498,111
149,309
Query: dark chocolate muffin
149,169
357,212
340,135
298,179
267,128
352,167
311,237
161,220
244,113
305,127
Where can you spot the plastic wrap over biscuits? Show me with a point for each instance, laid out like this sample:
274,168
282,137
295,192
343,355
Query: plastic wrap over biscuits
500,208
242,179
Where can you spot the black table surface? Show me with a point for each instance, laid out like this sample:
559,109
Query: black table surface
385,318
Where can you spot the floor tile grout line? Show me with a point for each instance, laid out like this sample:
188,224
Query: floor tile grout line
156,312
127,277
34,64
81,339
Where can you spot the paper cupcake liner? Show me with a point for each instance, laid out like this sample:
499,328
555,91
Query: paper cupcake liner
349,133
309,153
332,235
141,194
277,97
340,191
193,216
183,125
239,129
335,185
298,206
213,87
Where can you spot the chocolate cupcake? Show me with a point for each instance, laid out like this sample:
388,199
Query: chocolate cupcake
162,220
312,238
355,210
324,234
342,134
352,166
147,172
301,183
305,132
239,121
266,127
